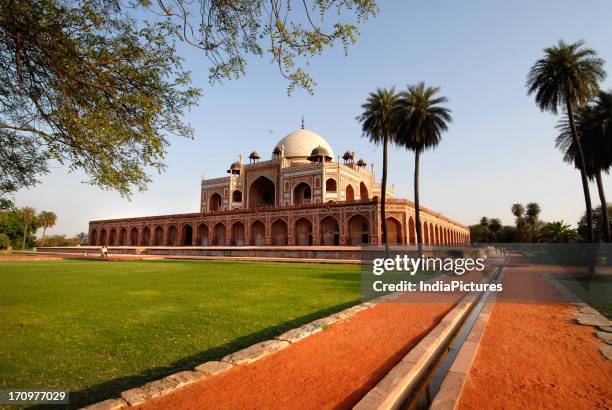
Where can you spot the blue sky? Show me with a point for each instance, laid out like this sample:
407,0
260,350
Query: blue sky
498,151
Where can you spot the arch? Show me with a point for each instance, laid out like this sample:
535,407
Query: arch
394,231
158,236
219,234
432,235
102,237
279,233
330,231
331,185
358,230
122,239
425,233
187,235
411,231
349,193
238,234
172,236
202,235
363,192
215,202
134,236
112,237
93,237
302,193
262,193
237,196
258,233
145,238
303,232
375,198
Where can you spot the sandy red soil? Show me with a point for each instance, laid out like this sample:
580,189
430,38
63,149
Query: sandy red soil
334,368
533,355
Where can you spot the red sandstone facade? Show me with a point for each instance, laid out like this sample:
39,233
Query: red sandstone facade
299,197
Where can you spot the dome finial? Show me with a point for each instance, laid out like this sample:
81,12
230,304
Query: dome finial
302,122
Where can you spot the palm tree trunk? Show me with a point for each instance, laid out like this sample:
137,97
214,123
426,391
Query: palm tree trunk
42,241
25,230
583,174
417,213
383,196
604,207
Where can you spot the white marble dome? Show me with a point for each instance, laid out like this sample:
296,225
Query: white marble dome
300,143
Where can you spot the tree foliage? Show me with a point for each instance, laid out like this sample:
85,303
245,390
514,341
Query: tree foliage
598,226
99,86
558,232
12,225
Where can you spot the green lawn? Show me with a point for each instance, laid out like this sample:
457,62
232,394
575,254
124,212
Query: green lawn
96,328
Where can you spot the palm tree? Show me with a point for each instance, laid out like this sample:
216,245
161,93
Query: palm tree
28,215
518,210
594,126
532,213
421,121
568,76
47,219
558,232
377,124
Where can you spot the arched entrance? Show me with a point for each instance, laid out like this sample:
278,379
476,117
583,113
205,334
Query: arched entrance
394,231
187,235
302,194
202,238
134,236
262,193
93,237
171,239
238,234
146,236
122,237
411,231
237,196
425,233
219,234
303,232
279,233
258,234
358,230
363,192
102,237
215,202
112,237
330,185
350,193
330,231
158,236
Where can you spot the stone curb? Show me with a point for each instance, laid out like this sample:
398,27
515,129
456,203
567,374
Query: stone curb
587,316
450,391
139,395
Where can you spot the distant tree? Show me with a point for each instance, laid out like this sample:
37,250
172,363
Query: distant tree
558,232
46,219
480,233
508,234
28,216
532,213
11,224
495,226
377,123
60,240
598,226
518,210
594,126
421,119
82,238
5,241
484,221
568,76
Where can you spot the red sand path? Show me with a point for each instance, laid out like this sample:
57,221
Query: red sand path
533,355
334,368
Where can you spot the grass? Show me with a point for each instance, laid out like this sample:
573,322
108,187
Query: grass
97,328
596,290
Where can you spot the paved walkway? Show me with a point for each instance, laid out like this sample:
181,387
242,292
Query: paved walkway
534,355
